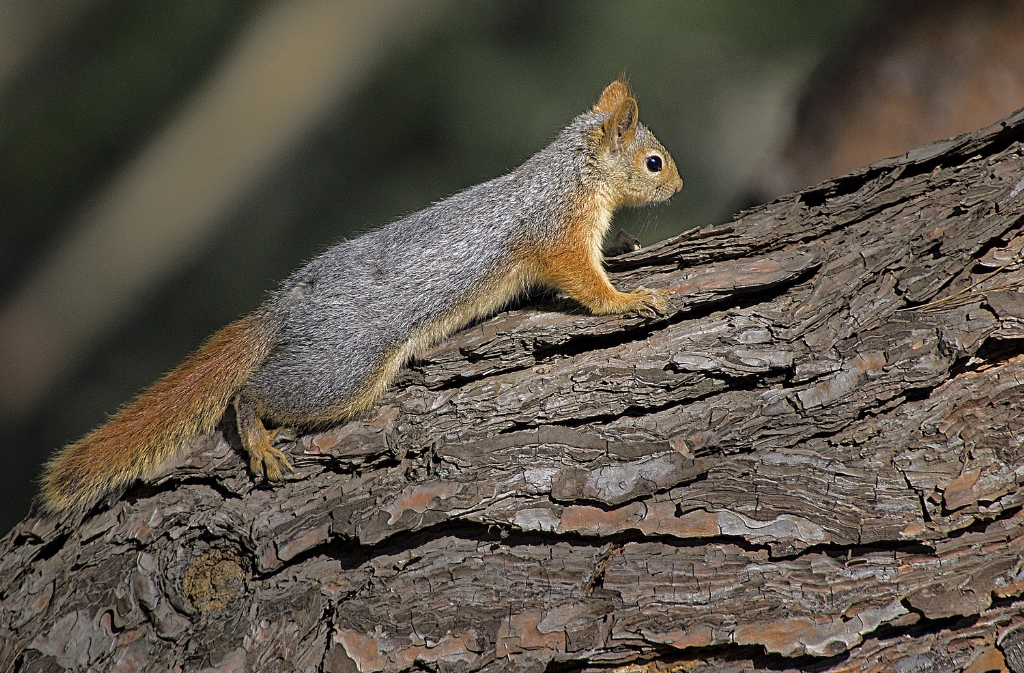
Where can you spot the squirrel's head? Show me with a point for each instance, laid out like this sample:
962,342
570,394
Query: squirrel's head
637,168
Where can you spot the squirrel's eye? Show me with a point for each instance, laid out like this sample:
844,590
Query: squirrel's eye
654,163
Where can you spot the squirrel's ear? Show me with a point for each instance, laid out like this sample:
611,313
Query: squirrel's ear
621,126
613,95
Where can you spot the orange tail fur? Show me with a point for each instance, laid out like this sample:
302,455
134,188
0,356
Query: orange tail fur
186,402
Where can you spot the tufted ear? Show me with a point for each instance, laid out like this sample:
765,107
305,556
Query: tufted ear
613,95
621,126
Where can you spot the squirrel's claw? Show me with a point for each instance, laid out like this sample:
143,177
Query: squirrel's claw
275,463
270,462
264,458
649,303
643,301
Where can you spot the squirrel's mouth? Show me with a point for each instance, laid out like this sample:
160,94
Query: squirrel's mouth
666,191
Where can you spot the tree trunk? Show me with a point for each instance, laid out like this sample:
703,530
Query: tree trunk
813,463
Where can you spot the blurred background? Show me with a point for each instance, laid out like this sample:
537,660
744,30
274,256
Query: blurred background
164,165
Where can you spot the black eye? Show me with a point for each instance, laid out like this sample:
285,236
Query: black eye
654,163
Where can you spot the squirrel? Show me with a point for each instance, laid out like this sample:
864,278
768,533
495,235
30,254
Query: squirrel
327,343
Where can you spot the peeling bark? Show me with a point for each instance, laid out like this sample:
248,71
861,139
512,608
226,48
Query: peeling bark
813,462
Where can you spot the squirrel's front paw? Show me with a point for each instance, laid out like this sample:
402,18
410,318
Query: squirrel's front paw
647,302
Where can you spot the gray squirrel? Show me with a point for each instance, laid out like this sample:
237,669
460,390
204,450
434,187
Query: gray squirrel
332,337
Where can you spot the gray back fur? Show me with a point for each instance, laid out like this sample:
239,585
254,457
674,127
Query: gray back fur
352,305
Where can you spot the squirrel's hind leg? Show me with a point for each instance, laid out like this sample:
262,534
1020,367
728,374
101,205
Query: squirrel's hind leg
263,457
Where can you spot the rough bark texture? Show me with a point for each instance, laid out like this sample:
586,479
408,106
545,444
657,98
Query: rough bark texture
813,463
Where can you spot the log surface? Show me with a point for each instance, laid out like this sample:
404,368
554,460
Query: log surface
813,462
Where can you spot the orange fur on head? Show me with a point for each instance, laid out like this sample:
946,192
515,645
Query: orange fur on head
613,96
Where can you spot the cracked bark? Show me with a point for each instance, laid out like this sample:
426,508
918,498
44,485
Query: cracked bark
813,463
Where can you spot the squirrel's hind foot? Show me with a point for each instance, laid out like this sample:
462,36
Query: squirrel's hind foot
269,461
264,458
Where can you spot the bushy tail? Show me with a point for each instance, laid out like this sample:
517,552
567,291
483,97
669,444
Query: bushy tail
186,402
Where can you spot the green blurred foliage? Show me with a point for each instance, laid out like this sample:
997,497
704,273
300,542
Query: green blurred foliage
83,107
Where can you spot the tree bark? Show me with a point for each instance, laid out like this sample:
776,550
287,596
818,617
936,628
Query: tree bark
813,462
